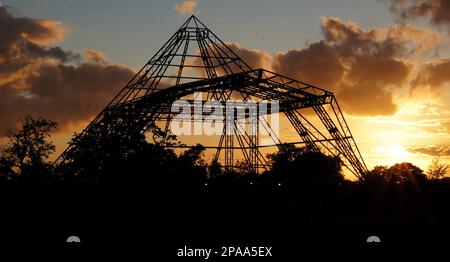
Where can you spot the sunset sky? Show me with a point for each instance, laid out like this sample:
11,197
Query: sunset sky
387,61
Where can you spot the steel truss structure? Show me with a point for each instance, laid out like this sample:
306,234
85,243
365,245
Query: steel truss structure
194,60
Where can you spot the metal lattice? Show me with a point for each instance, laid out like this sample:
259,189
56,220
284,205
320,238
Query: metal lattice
195,60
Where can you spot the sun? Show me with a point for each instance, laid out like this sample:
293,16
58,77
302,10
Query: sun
398,152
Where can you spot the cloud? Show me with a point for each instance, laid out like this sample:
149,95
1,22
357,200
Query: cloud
96,57
437,11
363,68
38,31
67,94
254,58
433,75
23,34
318,64
438,126
186,7
24,40
431,150
47,81
369,85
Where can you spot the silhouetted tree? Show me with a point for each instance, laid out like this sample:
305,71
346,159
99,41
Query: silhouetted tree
401,185
375,178
191,168
299,164
27,150
6,166
244,168
405,173
214,169
284,158
400,174
437,170
113,155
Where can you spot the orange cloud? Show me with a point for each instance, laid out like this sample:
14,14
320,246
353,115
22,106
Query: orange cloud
186,7
433,75
363,68
35,78
442,150
96,57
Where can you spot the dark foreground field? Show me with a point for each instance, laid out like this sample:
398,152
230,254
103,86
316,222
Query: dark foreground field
163,216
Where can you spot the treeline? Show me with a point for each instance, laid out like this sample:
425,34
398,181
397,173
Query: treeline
25,153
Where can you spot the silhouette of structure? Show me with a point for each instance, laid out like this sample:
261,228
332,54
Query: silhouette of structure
195,60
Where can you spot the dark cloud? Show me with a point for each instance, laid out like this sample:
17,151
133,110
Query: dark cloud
64,93
23,40
437,11
318,64
16,30
367,99
433,75
370,81
253,57
44,80
431,150
36,51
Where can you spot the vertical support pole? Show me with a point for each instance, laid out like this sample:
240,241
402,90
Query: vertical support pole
253,130
229,138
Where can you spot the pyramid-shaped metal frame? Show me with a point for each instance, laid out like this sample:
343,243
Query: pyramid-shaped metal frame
195,60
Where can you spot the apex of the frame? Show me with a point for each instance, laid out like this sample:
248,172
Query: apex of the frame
194,22
194,18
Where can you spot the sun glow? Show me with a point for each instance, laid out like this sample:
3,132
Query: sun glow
398,151
395,153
